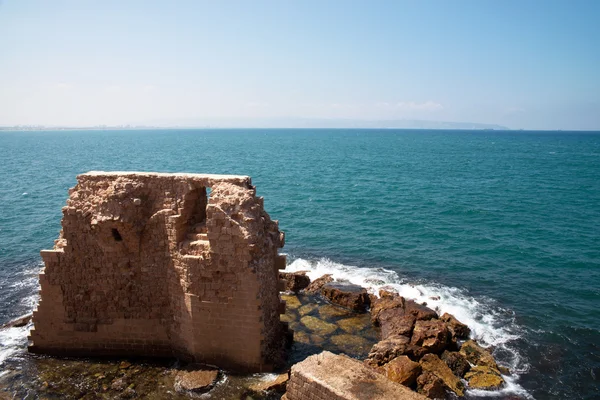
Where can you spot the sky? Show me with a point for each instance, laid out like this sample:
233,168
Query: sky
527,64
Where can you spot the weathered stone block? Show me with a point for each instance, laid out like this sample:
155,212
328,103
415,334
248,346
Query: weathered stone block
150,264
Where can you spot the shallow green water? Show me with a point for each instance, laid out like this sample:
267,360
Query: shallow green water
503,224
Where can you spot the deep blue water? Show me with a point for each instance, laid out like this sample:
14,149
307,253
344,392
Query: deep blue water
508,220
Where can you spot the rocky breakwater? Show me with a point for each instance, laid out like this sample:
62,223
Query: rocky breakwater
429,353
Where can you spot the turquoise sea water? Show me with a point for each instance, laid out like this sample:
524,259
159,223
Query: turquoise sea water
504,226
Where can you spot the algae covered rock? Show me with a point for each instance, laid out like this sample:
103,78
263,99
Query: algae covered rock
433,364
403,370
353,324
291,301
318,326
477,355
351,344
484,377
456,362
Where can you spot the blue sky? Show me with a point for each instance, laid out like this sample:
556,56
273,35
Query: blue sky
521,64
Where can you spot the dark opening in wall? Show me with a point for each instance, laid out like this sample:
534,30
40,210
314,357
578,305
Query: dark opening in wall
116,235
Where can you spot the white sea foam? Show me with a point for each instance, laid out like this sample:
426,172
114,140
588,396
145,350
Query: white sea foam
12,341
489,324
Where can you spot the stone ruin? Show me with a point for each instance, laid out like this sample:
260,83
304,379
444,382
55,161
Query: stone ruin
163,265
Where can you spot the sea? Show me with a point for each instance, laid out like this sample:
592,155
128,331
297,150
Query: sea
499,228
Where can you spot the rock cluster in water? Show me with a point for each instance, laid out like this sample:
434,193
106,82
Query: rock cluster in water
418,348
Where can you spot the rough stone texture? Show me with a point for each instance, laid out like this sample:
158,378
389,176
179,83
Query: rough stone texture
391,324
477,355
432,363
152,264
431,386
327,376
295,281
403,370
456,328
456,362
433,335
318,283
391,306
482,377
198,381
347,295
392,347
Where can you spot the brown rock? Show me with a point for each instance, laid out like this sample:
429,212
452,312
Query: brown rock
393,322
317,284
432,335
431,386
432,363
196,380
387,301
477,355
456,328
274,385
420,311
483,377
456,362
386,350
295,281
346,295
403,370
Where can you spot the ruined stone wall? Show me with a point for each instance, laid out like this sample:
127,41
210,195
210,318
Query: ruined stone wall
154,265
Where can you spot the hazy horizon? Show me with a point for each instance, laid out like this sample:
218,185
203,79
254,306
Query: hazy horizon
520,65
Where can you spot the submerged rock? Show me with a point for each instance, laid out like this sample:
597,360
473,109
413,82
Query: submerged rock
307,309
352,344
199,380
316,285
295,281
346,295
317,325
291,301
432,363
353,324
329,311
484,377
403,370
433,335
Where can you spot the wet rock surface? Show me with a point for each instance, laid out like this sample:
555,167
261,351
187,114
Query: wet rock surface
346,295
196,379
456,362
316,285
482,377
434,365
294,281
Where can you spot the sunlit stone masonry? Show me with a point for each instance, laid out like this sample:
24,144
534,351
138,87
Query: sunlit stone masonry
161,265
